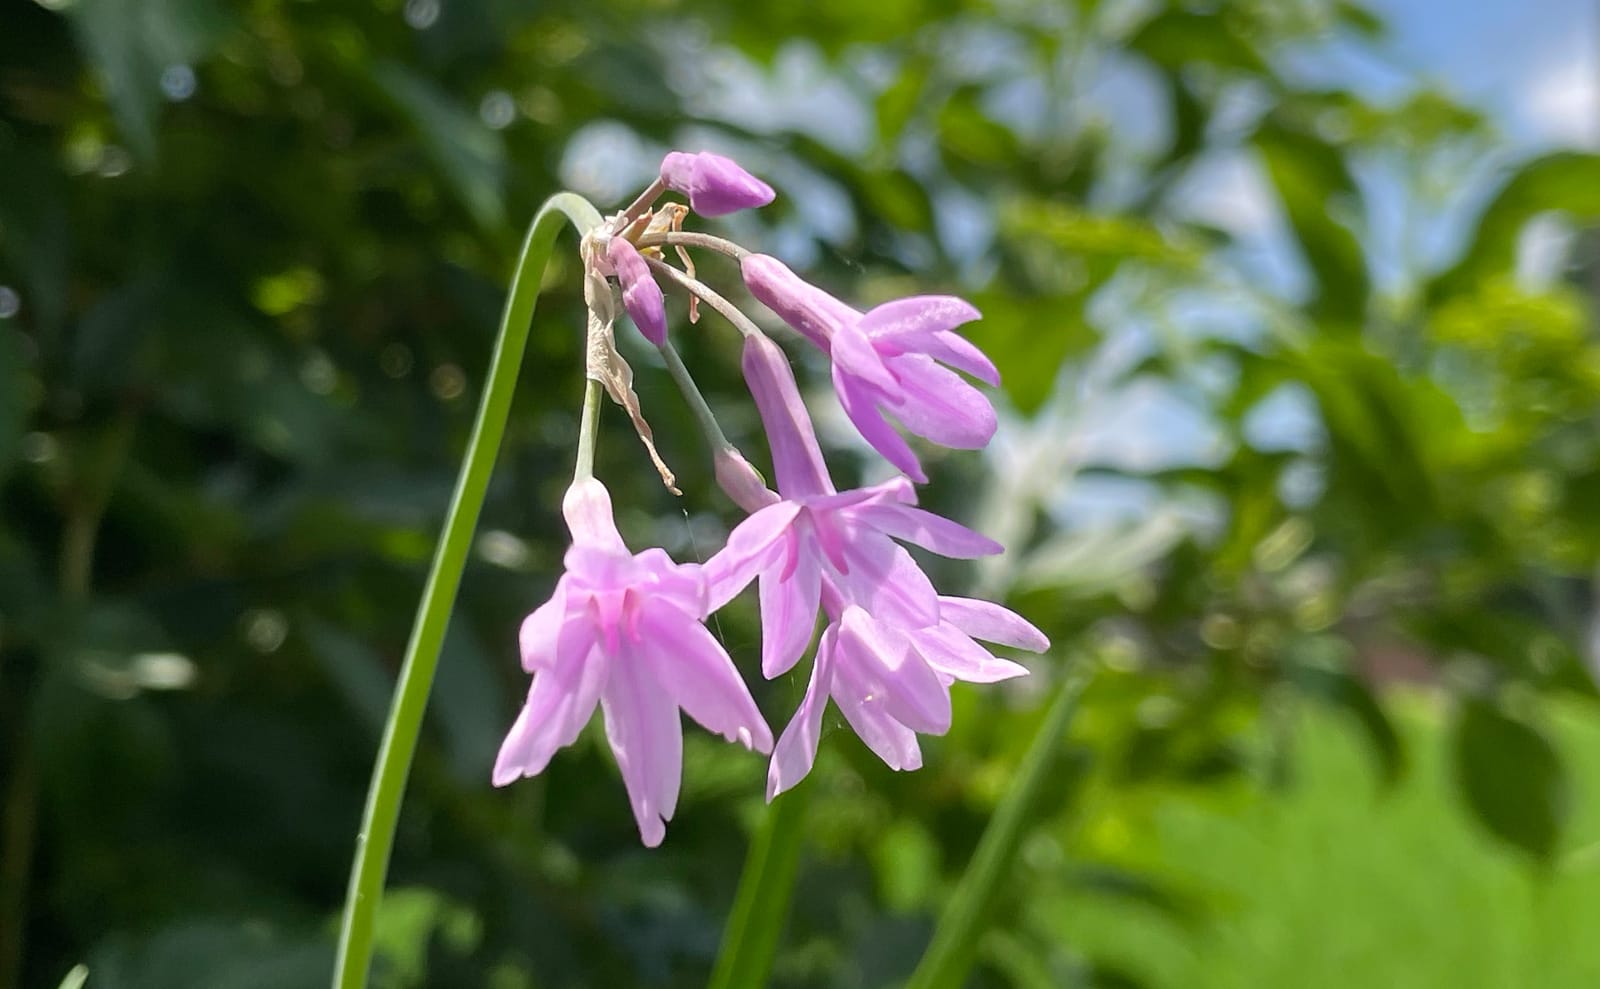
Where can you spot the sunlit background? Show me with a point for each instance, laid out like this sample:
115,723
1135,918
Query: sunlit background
1300,463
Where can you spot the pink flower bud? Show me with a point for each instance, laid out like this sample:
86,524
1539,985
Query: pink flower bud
740,481
641,296
715,185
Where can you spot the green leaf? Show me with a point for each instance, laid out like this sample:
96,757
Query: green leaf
1177,39
950,954
1512,778
1345,691
36,231
354,667
131,46
469,154
1359,19
75,978
1385,430
13,395
212,954
761,906
969,136
1310,178
408,923
468,704
1088,562
1029,340
1568,181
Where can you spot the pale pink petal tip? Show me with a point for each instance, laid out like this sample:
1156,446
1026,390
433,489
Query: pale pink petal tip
587,509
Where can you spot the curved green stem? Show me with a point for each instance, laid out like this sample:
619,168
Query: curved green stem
376,838
761,906
949,956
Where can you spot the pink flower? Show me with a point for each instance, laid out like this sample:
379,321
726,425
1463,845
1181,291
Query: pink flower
891,682
890,655
715,185
625,631
641,296
896,358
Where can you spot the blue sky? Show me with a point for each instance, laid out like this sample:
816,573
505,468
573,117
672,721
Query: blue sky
1532,63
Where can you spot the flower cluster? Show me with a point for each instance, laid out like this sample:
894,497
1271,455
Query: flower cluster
626,631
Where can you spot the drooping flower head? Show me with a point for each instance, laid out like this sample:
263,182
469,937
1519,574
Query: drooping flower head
625,631
715,185
891,651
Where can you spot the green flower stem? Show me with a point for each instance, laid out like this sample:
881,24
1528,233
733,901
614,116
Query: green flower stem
761,906
949,956
588,429
690,238
728,310
703,415
376,837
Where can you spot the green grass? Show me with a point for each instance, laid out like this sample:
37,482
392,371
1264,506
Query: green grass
1334,881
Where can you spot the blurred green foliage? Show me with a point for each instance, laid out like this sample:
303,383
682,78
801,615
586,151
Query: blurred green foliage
255,254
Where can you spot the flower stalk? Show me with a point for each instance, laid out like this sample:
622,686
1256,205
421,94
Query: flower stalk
375,841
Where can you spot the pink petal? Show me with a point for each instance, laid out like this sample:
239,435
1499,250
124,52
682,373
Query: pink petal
750,548
587,509
796,458
701,679
789,611
796,751
683,585
898,490
992,623
925,529
890,740
573,640
917,316
853,352
823,528
890,668
560,702
540,630
646,737
940,405
887,582
949,347
589,567
860,406
951,652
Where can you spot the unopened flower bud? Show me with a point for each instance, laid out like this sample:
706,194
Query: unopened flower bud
641,296
740,481
715,185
